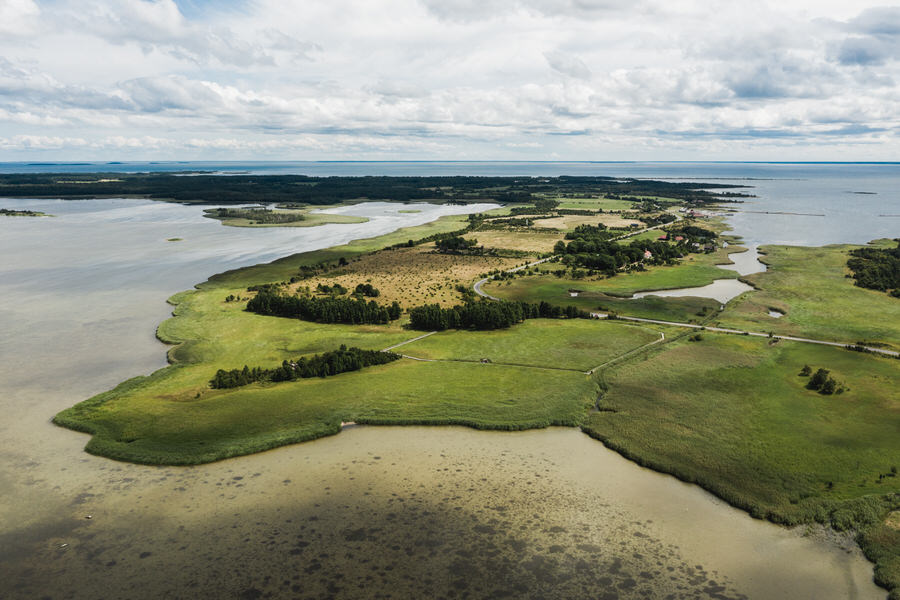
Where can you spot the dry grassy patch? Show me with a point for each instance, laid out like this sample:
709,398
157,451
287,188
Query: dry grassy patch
529,241
893,520
567,222
413,276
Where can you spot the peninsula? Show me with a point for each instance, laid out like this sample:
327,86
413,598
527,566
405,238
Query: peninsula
782,401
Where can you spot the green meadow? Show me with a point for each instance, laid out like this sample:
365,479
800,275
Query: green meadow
557,343
732,414
810,285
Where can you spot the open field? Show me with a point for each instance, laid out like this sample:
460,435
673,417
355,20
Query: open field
810,287
412,276
570,344
528,241
732,414
569,222
594,204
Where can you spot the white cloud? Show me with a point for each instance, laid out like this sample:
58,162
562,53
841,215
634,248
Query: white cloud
18,17
455,78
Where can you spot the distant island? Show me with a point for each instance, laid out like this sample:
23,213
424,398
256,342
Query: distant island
8,212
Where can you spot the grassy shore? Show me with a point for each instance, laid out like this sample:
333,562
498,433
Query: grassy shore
173,417
732,414
809,285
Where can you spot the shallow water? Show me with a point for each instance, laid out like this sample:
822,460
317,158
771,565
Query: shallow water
403,512
723,290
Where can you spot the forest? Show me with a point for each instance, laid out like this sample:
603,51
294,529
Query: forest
483,315
319,365
210,188
355,311
590,248
877,269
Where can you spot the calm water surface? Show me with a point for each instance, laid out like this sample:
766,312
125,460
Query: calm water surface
402,512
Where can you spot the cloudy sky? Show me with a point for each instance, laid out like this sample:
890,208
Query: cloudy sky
449,79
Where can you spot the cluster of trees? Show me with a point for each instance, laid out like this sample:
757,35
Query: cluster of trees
595,233
692,233
608,257
486,315
821,381
877,269
456,245
661,219
542,206
323,310
259,215
336,289
366,289
327,364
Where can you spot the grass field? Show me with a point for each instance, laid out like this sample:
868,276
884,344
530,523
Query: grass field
594,204
527,241
732,414
810,287
569,222
135,423
570,344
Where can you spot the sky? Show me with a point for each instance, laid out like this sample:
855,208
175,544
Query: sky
449,80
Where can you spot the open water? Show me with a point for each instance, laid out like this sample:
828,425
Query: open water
372,512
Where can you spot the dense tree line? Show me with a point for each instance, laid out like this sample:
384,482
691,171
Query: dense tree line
876,268
354,311
327,364
264,189
486,315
